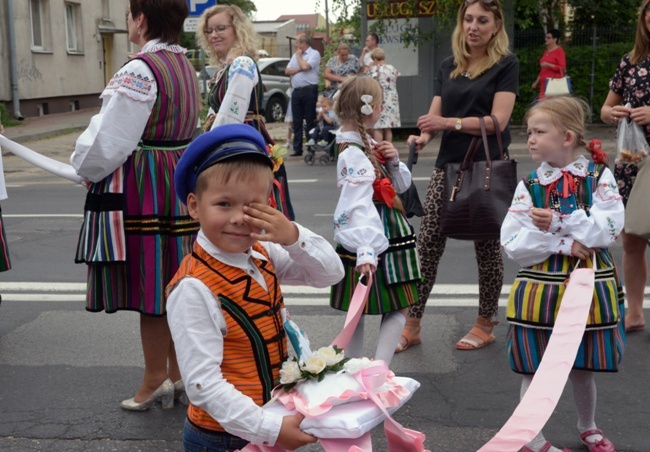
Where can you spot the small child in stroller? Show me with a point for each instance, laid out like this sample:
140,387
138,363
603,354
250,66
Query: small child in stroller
322,138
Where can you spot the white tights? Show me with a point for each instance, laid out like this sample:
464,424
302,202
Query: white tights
390,331
584,397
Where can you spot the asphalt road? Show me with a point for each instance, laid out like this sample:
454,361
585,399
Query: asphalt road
63,371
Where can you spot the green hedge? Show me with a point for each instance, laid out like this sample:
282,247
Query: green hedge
579,62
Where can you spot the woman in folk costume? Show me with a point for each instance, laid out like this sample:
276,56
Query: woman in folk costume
562,215
227,35
374,237
135,231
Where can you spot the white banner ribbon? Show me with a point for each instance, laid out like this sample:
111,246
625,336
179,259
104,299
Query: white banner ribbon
50,165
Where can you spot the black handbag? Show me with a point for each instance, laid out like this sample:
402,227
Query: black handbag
410,198
477,195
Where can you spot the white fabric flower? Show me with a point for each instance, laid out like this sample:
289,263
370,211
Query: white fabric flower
355,365
329,355
290,372
314,364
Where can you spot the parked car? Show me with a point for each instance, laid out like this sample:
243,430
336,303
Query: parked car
194,55
275,83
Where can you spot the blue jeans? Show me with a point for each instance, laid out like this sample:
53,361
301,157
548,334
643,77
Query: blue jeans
199,440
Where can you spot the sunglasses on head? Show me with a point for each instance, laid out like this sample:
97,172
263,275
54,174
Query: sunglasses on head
485,2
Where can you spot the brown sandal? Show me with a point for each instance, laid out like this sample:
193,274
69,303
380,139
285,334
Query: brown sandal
477,336
410,336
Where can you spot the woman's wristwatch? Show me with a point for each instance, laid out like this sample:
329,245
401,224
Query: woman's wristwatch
459,124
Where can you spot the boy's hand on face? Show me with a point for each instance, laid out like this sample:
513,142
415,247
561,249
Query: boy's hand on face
272,223
291,437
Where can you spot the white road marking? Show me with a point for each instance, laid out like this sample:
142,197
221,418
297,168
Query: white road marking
444,295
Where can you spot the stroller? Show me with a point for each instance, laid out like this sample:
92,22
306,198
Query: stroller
327,149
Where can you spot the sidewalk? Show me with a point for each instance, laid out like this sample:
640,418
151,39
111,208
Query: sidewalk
42,127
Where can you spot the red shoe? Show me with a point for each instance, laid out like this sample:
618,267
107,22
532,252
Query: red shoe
544,448
602,445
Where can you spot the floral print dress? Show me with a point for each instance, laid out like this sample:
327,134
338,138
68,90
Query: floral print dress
632,83
387,75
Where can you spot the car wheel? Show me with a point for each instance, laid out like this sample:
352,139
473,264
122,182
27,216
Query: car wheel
275,110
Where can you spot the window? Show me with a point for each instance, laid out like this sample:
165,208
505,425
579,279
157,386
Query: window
39,15
73,35
73,28
36,11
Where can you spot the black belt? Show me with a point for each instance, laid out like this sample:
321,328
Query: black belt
165,143
305,87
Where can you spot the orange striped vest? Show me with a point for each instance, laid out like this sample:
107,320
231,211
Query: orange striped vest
255,344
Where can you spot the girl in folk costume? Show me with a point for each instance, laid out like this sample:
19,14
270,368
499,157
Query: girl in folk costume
374,237
236,95
565,212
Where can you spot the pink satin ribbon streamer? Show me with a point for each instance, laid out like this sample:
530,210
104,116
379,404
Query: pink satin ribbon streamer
544,392
371,378
355,311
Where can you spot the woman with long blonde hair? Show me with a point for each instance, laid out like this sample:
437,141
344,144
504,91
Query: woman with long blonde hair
481,79
236,92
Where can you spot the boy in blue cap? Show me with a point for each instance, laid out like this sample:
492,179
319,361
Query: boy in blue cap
225,308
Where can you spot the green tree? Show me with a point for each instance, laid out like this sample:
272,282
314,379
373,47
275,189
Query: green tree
610,13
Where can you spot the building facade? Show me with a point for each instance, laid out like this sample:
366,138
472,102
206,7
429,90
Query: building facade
62,54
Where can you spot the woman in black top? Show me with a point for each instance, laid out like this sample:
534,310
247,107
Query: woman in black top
480,80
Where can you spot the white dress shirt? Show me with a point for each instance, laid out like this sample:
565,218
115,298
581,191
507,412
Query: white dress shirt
305,78
198,327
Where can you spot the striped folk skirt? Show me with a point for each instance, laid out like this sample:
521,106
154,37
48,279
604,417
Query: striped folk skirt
535,299
398,269
5,261
135,234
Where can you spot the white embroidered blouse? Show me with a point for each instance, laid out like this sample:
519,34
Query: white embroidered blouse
113,134
357,225
526,244
242,78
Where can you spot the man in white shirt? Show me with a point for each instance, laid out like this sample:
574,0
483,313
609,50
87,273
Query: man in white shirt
372,42
303,70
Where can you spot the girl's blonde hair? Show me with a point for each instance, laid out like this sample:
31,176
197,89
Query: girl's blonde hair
246,38
348,108
568,113
497,48
641,48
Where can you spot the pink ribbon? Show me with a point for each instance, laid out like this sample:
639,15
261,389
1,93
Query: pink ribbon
371,378
355,311
544,392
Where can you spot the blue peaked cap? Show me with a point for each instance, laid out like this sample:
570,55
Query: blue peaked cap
221,143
